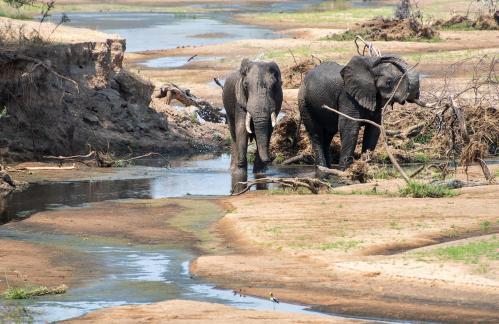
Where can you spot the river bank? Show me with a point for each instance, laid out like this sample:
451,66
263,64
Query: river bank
364,254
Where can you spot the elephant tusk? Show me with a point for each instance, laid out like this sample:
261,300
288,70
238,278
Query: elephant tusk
248,122
420,103
273,118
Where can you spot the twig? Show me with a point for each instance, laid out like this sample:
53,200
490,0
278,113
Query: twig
91,154
191,58
48,168
217,82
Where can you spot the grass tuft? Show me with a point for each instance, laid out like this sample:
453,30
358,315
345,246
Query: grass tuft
425,190
471,252
26,293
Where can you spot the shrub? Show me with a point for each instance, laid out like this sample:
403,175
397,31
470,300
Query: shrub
425,190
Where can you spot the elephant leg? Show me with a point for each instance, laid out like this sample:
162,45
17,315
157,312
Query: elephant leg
240,171
326,147
371,135
315,134
349,132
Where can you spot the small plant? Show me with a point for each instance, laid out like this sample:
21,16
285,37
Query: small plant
340,245
3,113
25,293
485,226
421,157
16,293
279,158
425,190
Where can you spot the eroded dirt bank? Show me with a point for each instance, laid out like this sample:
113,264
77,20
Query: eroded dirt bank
80,82
358,254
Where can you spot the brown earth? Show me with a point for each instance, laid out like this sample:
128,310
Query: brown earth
41,265
182,311
354,254
96,102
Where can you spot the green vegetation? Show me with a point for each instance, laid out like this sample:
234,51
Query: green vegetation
16,293
485,226
340,17
340,245
471,252
288,191
425,190
279,158
25,293
3,113
421,157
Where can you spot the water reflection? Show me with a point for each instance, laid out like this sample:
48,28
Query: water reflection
204,178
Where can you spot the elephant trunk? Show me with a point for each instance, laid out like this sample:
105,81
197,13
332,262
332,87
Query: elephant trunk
262,136
413,86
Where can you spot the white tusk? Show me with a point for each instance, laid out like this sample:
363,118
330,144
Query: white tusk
273,118
248,122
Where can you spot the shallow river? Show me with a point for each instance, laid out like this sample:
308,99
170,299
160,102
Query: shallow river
133,274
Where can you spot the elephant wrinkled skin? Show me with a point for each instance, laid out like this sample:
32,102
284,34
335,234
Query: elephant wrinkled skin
252,98
360,89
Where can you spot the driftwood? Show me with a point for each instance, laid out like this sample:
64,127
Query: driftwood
408,132
312,184
206,110
334,172
72,167
296,159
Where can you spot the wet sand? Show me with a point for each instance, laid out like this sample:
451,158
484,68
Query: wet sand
181,311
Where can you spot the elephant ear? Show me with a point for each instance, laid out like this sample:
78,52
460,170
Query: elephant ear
359,81
241,91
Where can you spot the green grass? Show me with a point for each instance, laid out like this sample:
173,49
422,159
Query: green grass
340,245
340,17
22,14
424,190
421,157
485,226
471,252
16,293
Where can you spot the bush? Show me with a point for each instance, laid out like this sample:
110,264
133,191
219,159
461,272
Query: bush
425,190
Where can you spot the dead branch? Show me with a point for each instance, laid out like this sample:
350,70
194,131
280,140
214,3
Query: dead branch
206,110
74,157
383,138
312,184
296,159
334,172
72,167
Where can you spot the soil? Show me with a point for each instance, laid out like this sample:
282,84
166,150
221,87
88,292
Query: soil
182,311
95,100
325,250
41,265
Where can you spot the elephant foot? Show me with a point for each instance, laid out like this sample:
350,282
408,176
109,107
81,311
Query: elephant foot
238,176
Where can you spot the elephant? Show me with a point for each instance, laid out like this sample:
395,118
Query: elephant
359,89
252,97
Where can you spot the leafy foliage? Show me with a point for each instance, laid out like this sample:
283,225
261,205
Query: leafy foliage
425,190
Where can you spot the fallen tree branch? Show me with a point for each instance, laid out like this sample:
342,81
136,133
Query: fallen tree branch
312,184
74,157
206,110
333,172
72,167
296,159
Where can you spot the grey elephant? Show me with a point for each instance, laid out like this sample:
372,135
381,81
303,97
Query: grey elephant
252,98
360,89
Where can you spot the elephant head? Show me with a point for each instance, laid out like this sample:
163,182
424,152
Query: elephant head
372,81
259,94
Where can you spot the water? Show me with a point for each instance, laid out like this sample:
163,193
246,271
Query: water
155,31
204,178
176,61
131,275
